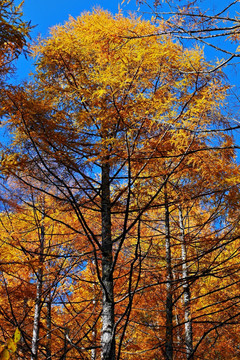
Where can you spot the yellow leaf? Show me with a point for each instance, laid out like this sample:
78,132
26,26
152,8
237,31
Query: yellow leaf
4,355
17,336
11,345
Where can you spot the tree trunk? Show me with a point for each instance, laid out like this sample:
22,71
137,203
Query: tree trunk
169,286
108,336
94,330
186,292
38,304
49,326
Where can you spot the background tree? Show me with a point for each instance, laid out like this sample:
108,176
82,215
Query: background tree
37,273
13,37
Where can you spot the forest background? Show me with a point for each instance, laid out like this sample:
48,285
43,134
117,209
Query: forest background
120,182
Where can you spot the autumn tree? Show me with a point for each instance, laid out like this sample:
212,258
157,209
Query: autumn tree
13,37
40,259
106,124
14,32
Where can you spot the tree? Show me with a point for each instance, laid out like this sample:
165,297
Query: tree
39,261
105,125
13,34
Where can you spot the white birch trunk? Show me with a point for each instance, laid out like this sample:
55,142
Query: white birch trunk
38,304
94,332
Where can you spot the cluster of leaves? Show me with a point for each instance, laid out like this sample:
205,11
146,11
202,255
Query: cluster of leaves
13,34
13,29
10,347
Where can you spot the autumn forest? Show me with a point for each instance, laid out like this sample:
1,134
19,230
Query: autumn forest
119,188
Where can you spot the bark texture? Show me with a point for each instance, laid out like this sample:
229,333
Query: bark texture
108,340
169,286
38,301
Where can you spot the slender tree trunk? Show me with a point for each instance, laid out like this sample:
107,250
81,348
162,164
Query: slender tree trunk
94,330
108,336
38,304
49,328
169,286
186,292
179,339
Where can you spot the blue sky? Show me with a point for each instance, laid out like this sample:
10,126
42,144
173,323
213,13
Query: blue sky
46,13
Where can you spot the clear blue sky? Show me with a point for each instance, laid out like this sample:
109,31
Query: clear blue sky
47,13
